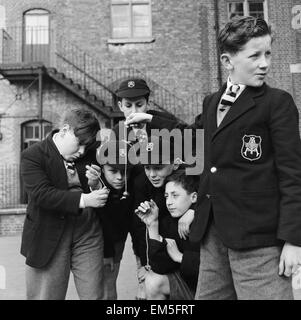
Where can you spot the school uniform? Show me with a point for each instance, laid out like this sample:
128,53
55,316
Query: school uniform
116,219
249,196
57,235
182,276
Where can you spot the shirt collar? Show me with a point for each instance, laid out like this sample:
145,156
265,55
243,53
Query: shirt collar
241,86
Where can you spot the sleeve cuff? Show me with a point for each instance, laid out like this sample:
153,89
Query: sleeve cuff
82,204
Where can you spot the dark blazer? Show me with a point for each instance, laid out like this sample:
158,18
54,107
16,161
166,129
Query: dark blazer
160,260
49,201
252,174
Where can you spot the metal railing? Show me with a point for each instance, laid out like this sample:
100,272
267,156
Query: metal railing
20,45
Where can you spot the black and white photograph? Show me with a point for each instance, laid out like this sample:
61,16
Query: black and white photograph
150,150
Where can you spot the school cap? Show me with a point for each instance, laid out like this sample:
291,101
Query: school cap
132,88
158,150
118,154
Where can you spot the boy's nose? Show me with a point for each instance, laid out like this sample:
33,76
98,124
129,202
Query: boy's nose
152,173
264,63
81,150
168,201
119,176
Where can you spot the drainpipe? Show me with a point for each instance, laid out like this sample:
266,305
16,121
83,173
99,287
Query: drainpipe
40,97
216,18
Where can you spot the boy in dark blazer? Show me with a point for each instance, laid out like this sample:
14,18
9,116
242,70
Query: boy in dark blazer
250,190
60,233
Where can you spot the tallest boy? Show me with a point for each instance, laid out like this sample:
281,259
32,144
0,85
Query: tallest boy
250,191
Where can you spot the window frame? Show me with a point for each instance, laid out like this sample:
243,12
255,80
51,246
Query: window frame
246,11
131,38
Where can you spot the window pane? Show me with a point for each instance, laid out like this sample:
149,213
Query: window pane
28,132
235,9
47,128
37,132
256,9
37,29
121,21
141,21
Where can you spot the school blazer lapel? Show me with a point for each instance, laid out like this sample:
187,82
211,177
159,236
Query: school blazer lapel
56,163
243,103
212,107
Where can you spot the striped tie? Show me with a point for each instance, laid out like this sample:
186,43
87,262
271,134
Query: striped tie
70,166
227,101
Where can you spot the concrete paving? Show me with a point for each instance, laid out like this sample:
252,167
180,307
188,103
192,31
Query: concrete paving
14,265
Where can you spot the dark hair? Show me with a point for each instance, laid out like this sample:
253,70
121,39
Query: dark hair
239,31
190,183
84,124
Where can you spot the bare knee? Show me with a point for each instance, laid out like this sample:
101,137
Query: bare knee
156,286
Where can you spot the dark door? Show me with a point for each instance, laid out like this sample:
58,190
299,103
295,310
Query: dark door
36,36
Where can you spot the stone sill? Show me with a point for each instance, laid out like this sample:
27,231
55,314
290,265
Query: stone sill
295,68
130,40
11,211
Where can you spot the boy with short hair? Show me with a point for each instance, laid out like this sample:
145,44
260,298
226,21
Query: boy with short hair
174,261
58,223
250,191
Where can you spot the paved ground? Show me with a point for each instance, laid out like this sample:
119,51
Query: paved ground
13,264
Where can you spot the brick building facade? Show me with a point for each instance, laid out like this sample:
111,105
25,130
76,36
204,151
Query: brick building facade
85,47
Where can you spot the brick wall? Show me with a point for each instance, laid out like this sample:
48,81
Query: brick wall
11,221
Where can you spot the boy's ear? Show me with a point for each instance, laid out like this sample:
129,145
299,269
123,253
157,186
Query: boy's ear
119,105
176,165
194,197
66,127
226,61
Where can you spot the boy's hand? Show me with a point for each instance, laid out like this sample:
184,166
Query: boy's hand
290,259
109,262
184,223
173,250
96,198
92,173
148,212
138,117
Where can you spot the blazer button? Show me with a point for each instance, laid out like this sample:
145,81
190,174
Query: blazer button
62,217
208,196
213,169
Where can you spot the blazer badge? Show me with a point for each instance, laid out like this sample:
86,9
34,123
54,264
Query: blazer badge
251,147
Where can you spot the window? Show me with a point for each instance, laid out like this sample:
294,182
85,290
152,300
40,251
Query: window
36,26
33,132
131,19
2,17
257,9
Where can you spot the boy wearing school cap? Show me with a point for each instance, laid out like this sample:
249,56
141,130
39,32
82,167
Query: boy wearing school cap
160,159
114,174
133,98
